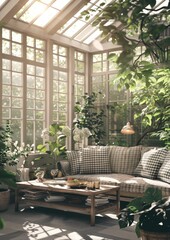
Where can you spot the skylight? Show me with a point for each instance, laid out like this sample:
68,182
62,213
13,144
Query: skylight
62,17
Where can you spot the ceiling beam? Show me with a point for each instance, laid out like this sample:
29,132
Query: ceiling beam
10,9
41,33
68,12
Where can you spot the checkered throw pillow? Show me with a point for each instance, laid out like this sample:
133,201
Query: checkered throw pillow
95,160
164,171
150,163
124,159
74,157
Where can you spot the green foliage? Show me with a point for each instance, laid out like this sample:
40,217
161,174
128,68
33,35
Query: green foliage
131,24
122,20
5,136
88,116
6,177
1,223
55,138
153,211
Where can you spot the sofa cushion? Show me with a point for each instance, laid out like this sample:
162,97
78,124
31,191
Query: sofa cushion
74,157
150,163
164,171
95,160
124,159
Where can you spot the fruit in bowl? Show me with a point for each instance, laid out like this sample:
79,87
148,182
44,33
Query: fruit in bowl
73,182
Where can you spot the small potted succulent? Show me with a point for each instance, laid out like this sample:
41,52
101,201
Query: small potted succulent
152,213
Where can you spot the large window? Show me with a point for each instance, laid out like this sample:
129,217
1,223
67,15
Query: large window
12,80
23,85
104,71
60,84
79,75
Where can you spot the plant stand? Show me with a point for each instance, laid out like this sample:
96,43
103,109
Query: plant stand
154,235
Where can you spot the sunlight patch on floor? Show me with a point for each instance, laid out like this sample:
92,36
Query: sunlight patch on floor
36,231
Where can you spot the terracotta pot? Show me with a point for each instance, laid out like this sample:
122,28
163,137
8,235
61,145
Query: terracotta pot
154,235
4,199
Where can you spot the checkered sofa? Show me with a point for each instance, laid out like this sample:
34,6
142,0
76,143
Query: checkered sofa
132,168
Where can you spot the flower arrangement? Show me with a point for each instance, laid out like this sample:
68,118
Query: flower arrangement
80,135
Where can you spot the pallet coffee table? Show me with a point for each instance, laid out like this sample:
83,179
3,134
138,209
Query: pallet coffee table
57,190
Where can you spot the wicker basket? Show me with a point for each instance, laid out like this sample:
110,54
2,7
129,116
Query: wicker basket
154,235
4,199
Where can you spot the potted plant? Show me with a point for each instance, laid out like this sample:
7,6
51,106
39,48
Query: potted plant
153,213
7,178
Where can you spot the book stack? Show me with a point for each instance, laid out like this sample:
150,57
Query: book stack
99,200
34,195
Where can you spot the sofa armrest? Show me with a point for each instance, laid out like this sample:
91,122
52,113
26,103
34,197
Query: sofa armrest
64,167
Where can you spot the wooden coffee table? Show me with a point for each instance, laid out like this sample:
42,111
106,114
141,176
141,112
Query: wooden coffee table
65,205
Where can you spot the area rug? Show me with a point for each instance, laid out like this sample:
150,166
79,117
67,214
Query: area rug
49,224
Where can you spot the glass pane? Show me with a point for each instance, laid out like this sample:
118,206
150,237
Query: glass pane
62,87
62,118
80,66
30,41
39,115
40,83
30,114
16,50
6,47
6,90
63,76
30,93
62,62
40,44
6,77
40,71
16,128
55,105
40,95
16,66
62,97
62,107
40,105
6,102
62,51
55,86
97,67
17,102
17,91
30,69
16,37
5,33
16,113
31,81
39,125
16,79
6,64
6,113
30,54
55,60
30,132
40,56
30,103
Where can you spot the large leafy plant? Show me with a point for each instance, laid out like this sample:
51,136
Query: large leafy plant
89,117
55,140
153,212
132,25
